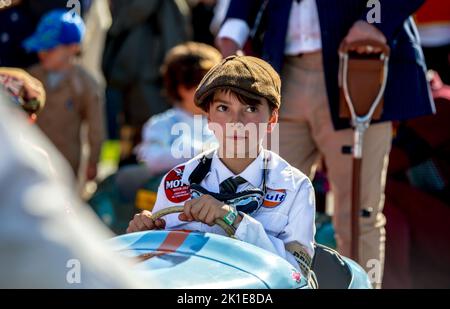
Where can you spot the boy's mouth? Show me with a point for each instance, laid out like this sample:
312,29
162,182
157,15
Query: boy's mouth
237,137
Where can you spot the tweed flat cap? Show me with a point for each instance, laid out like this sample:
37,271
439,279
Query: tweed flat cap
246,75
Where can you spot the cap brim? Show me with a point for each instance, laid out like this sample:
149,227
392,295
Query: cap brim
34,44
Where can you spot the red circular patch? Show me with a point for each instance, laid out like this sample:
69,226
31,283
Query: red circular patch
176,190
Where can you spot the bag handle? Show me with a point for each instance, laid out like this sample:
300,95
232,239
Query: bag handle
345,47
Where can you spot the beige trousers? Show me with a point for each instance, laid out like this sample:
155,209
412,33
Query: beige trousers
307,133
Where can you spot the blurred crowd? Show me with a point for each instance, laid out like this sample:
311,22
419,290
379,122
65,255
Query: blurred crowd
116,78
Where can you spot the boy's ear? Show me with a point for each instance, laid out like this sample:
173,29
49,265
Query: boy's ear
182,89
75,48
272,121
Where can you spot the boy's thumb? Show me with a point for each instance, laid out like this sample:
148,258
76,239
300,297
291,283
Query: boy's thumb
183,217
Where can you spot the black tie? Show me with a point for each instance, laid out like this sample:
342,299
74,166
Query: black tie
231,184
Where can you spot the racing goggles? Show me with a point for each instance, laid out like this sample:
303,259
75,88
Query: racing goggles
247,201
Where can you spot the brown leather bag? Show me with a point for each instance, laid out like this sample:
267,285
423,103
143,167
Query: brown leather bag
365,75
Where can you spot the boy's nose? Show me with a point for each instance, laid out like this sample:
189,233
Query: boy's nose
237,125
237,118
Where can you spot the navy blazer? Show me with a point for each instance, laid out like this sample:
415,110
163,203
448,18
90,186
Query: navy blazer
407,92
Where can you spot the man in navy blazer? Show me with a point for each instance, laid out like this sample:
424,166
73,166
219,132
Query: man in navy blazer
301,41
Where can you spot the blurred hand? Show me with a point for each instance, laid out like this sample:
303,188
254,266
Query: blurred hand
228,47
362,30
144,222
91,171
32,91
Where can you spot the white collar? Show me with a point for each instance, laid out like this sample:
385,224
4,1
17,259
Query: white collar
280,176
253,173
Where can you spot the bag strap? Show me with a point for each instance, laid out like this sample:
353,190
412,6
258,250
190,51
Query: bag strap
203,168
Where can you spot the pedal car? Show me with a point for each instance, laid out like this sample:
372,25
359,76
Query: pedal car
189,259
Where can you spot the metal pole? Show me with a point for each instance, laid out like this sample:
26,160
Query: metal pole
360,128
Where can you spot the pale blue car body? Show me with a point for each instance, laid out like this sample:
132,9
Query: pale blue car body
204,260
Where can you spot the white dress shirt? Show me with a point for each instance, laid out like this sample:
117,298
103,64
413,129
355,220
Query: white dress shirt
287,214
303,35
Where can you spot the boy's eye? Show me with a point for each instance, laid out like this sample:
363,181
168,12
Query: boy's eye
251,109
222,108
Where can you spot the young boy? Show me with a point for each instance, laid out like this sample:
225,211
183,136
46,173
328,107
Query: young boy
73,96
279,216
183,69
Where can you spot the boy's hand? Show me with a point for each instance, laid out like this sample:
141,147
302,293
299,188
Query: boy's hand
204,209
228,47
144,222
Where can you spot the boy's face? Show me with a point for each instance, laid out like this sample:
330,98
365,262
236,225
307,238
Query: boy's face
58,58
239,125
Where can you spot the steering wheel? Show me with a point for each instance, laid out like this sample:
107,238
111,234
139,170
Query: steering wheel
179,209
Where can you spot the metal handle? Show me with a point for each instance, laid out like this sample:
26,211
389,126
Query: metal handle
361,122
348,47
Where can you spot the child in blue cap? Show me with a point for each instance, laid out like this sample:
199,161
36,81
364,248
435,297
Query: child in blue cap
73,96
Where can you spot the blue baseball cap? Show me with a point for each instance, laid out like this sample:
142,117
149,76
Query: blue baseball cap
58,27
